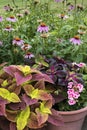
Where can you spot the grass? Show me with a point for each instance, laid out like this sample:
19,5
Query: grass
21,3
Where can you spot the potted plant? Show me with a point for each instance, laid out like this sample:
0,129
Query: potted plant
69,91
25,102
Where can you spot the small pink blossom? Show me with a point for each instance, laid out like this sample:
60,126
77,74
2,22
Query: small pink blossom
70,84
70,96
76,95
76,40
81,64
42,28
71,102
80,87
70,91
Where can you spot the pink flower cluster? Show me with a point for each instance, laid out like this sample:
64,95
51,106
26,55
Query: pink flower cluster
74,90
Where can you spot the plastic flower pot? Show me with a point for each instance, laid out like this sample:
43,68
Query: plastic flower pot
73,120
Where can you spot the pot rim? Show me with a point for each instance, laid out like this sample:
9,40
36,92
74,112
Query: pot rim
73,112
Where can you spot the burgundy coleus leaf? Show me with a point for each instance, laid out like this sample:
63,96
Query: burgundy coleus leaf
4,123
49,103
14,88
33,121
28,89
2,109
21,78
13,126
11,69
58,98
43,95
42,117
18,106
26,128
2,106
11,115
55,118
40,84
28,100
40,76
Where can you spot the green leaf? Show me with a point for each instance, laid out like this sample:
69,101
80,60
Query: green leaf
22,118
34,93
5,83
44,109
12,97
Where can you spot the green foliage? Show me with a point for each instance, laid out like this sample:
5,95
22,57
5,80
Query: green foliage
22,118
12,97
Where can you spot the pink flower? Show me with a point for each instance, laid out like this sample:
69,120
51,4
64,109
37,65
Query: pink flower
71,7
63,16
42,28
71,102
81,64
76,95
70,91
75,40
7,8
1,43
1,18
17,41
29,55
26,46
70,84
11,19
8,28
80,87
70,96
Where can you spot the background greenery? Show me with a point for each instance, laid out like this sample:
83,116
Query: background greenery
20,2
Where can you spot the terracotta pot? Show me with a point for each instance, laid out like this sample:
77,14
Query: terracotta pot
73,120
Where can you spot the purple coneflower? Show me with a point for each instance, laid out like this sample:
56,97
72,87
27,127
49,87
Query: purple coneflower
29,55
1,18
26,12
76,40
8,28
11,18
71,7
8,8
63,16
43,28
26,46
17,41
19,15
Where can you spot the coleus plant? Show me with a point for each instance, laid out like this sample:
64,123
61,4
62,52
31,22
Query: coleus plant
69,82
25,101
